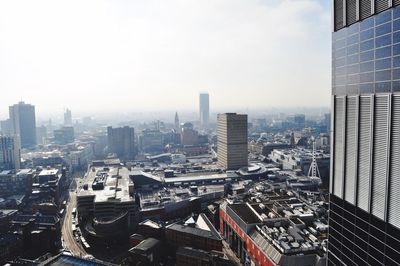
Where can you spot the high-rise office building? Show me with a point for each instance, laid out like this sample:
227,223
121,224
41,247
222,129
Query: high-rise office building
177,125
232,141
68,117
64,135
121,141
365,174
23,123
204,109
10,153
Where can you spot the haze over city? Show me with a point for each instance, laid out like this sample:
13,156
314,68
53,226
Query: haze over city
111,56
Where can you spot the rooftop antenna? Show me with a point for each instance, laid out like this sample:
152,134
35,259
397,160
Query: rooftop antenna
313,171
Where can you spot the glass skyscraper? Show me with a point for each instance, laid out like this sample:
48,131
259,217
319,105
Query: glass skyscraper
365,179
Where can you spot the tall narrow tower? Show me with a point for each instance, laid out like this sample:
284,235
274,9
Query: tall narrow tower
23,123
204,110
177,127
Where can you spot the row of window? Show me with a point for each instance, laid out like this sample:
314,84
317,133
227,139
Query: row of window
369,66
368,77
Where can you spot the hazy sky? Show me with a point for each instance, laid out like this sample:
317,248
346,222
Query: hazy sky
158,55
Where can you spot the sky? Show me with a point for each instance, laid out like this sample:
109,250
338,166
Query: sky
104,56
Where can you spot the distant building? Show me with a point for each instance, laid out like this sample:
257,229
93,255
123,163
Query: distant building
189,136
16,182
5,127
23,123
177,125
68,117
232,140
64,135
151,141
204,109
149,252
41,135
122,142
10,153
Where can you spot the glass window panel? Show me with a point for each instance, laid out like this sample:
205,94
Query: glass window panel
396,85
340,44
383,17
352,39
340,53
383,29
367,88
396,73
353,69
340,62
383,41
367,66
368,45
383,64
367,56
396,37
355,48
396,49
396,25
383,87
341,80
396,12
383,52
353,29
396,61
352,59
367,23
366,35
383,75
367,77
353,79
340,71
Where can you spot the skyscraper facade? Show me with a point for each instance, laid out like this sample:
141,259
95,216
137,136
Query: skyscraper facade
67,117
232,141
23,123
204,109
10,153
365,174
121,141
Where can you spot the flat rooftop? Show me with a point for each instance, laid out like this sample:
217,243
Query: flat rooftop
116,184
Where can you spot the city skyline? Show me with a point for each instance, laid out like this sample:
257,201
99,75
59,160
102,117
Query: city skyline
144,55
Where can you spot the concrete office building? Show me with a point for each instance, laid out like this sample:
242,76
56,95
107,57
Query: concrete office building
64,135
232,141
204,109
365,173
10,153
23,123
122,142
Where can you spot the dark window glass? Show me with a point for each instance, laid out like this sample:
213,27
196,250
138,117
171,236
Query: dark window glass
383,75
367,77
367,66
383,41
352,59
396,25
383,29
367,34
396,61
396,73
367,56
383,52
353,69
368,45
383,86
352,39
383,17
367,23
396,37
396,49
396,12
383,63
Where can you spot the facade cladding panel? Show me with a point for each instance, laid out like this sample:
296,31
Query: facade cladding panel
365,201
